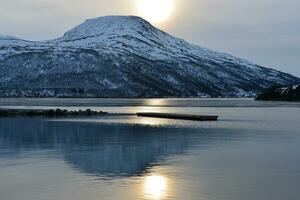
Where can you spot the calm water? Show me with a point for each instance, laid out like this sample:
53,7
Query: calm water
253,152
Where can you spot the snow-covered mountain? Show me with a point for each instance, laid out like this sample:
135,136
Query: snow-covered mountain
125,56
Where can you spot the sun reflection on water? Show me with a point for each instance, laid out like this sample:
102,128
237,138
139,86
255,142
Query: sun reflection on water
155,187
156,102
151,121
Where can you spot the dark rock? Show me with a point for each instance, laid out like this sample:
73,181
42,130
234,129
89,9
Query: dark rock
49,113
281,93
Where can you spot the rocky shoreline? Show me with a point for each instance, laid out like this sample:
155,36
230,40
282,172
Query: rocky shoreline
49,113
281,93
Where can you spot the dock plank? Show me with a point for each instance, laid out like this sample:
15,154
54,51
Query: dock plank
180,116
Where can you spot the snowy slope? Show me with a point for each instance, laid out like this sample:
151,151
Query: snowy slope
125,56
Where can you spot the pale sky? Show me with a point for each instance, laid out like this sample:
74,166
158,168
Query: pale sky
266,32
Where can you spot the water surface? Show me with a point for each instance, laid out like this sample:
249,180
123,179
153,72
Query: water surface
251,153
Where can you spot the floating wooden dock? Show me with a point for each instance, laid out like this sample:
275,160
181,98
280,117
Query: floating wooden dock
180,116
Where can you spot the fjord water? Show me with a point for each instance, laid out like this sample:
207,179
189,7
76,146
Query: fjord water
252,152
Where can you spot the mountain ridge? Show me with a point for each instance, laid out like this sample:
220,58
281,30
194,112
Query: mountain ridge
125,56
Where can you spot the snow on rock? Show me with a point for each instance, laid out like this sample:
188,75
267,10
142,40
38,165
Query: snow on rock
281,93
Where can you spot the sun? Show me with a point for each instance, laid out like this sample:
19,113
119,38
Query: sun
156,11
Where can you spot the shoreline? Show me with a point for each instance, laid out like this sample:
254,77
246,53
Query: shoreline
49,112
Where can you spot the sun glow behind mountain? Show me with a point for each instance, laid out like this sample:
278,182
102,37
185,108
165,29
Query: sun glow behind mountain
155,11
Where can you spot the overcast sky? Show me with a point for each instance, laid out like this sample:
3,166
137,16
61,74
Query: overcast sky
266,32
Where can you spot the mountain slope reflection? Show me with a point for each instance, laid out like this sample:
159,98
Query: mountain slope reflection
104,150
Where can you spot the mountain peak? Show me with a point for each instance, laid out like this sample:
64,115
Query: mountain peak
108,25
117,19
